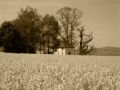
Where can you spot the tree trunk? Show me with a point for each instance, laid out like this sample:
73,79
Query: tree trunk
81,39
48,45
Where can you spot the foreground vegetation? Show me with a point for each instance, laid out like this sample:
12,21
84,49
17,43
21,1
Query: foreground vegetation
55,72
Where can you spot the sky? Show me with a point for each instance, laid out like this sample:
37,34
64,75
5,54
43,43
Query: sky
101,17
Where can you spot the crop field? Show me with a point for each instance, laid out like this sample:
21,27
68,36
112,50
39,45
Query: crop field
58,72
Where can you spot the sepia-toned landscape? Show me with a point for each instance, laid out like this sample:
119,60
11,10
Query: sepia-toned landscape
59,45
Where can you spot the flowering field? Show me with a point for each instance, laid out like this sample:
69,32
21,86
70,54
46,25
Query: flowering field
57,72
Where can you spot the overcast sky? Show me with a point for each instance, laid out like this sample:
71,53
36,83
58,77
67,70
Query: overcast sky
102,17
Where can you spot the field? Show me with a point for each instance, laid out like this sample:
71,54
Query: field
57,72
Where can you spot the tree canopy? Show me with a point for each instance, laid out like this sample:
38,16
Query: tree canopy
69,19
10,39
28,23
50,31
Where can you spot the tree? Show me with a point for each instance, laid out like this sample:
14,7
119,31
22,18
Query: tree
28,23
85,39
50,32
10,39
69,20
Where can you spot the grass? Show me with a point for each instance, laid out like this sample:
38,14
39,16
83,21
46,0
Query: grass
58,72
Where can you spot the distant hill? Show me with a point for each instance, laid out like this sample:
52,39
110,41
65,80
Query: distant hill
107,51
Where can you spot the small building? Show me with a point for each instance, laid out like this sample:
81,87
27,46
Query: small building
65,49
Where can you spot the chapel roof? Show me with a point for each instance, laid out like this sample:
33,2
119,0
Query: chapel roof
64,44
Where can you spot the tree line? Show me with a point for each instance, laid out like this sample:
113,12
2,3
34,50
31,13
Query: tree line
31,31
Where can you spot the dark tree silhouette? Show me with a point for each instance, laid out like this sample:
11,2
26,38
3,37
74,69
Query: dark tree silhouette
85,39
28,23
50,32
10,39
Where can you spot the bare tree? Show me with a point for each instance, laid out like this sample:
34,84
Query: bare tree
69,20
85,39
